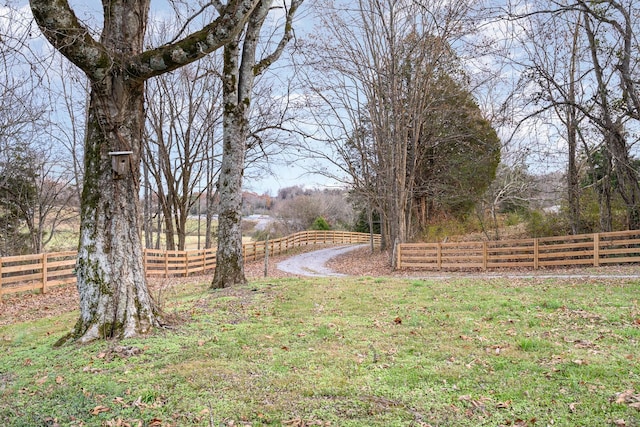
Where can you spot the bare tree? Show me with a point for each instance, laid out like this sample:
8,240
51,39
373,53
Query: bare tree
114,299
581,64
241,66
553,67
513,188
183,114
612,33
376,79
23,114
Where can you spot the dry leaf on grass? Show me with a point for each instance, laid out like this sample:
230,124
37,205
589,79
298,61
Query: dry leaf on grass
99,409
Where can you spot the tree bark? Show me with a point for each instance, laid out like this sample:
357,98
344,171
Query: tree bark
239,72
114,298
229,258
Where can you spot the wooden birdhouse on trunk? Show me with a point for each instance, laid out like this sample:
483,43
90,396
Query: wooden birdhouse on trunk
120,163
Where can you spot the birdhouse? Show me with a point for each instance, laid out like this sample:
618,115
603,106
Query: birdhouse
120,161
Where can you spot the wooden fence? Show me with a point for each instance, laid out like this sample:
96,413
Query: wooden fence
567,251
43,271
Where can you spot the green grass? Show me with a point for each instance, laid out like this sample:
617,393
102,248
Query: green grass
344,352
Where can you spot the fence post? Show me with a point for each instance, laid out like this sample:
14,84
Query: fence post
166,264
439,255
1,291
44,273
186,261
485,255
536,253
596,250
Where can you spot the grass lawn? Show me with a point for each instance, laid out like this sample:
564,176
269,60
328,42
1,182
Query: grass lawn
344,352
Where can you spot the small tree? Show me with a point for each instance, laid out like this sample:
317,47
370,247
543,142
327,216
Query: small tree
18,194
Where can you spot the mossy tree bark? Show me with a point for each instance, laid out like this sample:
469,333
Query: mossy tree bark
114,298
239,72
229,257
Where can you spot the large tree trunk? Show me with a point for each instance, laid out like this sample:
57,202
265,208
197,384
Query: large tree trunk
114,299
229,258
239,72
613,131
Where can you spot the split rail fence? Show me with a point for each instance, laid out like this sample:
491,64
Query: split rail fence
46,270
598,249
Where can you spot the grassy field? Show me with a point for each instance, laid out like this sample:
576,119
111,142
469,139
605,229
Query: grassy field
66,236
344,352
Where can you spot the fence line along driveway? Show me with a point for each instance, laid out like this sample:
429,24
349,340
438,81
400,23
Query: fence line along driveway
620,247
42,271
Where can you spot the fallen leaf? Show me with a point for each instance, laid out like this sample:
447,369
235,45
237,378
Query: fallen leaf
59,380
397,321
120,401
99,409
504,405
622,397
156,422
42,380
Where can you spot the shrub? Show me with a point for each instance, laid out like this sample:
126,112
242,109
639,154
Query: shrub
446,228
320,224
541,224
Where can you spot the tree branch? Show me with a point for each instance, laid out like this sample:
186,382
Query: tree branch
286,37
63,30
195,46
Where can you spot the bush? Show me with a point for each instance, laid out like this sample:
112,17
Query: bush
545,224
513,218
361,224
447,228
320,224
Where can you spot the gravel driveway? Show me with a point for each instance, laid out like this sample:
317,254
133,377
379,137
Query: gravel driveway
313,263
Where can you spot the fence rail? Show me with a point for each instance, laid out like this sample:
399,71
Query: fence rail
43,271
598,249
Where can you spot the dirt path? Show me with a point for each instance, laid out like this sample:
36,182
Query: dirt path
313,264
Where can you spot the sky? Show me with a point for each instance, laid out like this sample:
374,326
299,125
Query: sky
293,170
282,172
